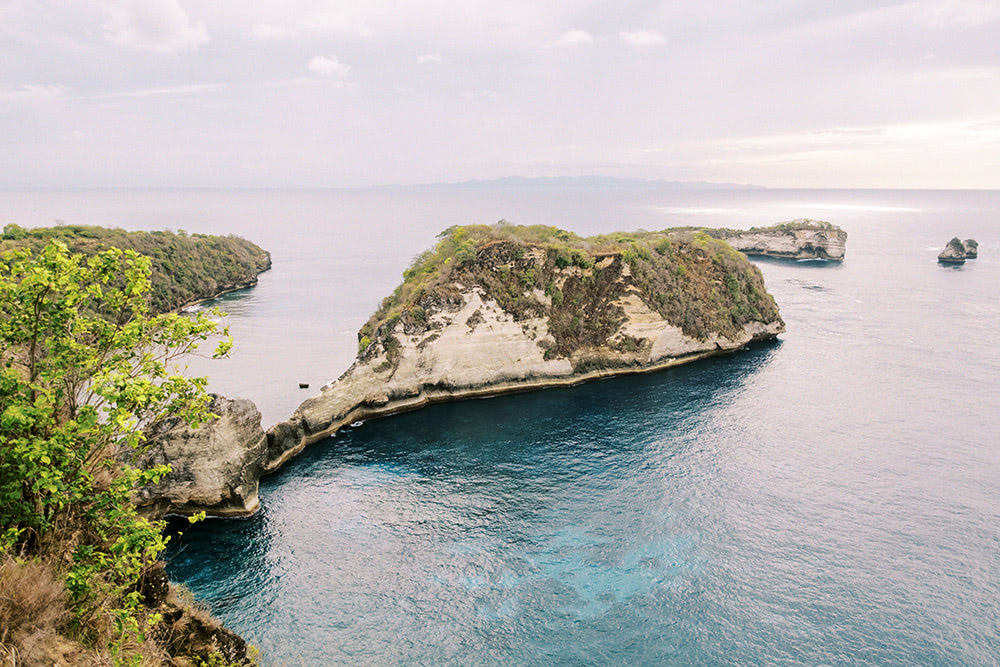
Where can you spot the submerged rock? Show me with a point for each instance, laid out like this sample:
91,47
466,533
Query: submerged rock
214,468
971,248
953,253
502,309
796,239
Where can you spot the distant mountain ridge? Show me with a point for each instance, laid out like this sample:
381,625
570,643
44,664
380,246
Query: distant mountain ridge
583,182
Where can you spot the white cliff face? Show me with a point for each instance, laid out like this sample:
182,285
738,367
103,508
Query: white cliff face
480,350
804,243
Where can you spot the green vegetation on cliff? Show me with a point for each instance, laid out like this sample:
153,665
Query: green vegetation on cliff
184,268
85,370
801,224
694,281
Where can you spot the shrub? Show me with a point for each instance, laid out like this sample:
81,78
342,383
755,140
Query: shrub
85,370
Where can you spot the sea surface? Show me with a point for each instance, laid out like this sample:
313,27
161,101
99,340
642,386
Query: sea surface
831,498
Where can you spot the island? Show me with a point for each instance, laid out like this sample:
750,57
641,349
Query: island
185,268
795,239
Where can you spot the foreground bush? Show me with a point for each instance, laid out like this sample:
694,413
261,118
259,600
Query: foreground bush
85,370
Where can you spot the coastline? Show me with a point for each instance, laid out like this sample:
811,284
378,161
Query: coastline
225,290
429,395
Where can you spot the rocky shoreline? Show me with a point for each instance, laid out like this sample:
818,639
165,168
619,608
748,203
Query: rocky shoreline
287,439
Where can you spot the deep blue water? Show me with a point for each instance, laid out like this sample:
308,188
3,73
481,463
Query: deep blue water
829,498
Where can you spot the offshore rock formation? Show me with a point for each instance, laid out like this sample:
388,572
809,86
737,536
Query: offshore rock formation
215,467
795,239
502,309
956,252
971,248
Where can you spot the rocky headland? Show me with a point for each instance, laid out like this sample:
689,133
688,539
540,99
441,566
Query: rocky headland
185,269
795,239
490,310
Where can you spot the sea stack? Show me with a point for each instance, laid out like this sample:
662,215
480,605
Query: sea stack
500,309
971,248
953,253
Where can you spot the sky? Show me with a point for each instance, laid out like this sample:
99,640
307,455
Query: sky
349,93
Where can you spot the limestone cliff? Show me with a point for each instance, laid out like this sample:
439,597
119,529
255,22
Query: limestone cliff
501,309
796,239
215,467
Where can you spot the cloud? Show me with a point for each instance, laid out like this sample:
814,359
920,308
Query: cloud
327,23
152,25
642,38
430,59
32,92
962,13
328,66
572,38
855,142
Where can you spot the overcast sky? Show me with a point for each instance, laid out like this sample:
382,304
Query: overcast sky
331,93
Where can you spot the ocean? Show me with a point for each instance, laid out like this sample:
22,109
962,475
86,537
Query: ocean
831,498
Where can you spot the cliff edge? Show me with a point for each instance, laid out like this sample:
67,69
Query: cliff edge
503,308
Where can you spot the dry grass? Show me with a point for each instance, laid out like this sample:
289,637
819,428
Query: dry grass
32,609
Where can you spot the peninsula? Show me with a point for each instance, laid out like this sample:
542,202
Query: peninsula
500,309
185,268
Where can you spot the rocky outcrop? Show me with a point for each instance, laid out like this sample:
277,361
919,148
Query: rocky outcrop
796,239
214,468
971,248
508,310
953,253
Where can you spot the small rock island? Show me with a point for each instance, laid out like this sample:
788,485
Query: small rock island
957,251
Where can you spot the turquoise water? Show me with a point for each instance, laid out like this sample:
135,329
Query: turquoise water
829,498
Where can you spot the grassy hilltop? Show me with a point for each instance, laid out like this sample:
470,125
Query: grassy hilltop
696,282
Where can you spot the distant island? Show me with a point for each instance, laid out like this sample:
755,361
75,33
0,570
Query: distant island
795,239
580,183
186,268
